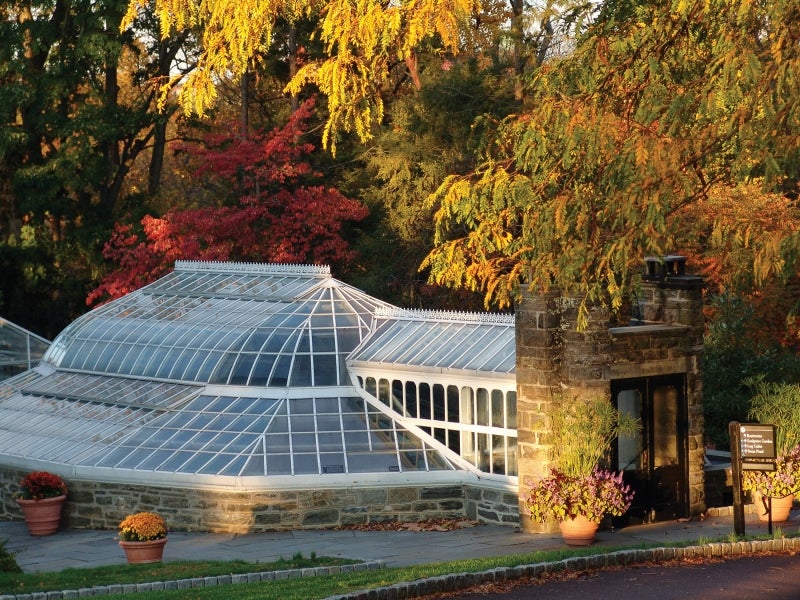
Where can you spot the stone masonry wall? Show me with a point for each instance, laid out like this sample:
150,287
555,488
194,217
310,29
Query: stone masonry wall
492,506
555,359
102,505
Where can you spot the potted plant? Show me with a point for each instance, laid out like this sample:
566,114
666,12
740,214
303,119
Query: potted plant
41,498
776,404
143,535
577,491
775,490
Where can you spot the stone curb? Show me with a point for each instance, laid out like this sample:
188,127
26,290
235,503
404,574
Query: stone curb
197,582
460,581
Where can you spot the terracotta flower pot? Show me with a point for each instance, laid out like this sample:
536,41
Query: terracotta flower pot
579,531
150,551
42,516
781,508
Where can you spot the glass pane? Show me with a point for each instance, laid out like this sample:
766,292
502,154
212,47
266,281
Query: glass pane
425,401
438,402
330,442
482,409
629,447
326,370
301,371
305,464
453,401
280,376
511,410
279,464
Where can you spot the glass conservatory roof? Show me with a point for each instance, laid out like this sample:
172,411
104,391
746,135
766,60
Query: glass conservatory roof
233,372
438,341
283,326
185,430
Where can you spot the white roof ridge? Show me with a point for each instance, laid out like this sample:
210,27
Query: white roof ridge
444,315
251,267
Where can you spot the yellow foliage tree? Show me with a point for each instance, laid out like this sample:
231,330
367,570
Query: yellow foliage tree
363,38
659,106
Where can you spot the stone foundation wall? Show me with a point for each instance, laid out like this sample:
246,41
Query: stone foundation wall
491,506
100,505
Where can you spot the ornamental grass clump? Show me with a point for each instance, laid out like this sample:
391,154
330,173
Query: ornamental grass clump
142,527
39,485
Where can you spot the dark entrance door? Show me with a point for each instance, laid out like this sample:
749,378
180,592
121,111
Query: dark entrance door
654,461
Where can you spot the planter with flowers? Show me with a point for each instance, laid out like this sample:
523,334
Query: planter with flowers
775,490
577,492
776,404
41,498
143,536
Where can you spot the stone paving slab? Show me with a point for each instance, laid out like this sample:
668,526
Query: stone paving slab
84,548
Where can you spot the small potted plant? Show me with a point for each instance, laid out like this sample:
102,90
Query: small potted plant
577,491
143,535
41,498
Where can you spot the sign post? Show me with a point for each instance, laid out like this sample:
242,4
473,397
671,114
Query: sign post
752,449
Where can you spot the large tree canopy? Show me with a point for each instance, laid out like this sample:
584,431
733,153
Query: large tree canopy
659,104
363,42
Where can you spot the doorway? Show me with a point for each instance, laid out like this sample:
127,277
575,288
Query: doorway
654,461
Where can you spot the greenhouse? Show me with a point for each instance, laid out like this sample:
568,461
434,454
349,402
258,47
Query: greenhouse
242,397
19,349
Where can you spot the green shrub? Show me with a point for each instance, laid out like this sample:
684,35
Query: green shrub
8,563
731,358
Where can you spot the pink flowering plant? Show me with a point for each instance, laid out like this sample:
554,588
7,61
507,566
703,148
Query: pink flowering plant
41,484
561,496
783,481
581,435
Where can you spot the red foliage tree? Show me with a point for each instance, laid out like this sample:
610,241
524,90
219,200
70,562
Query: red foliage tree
723,233
276,214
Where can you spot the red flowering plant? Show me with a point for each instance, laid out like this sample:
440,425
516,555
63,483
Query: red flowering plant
41,484
560,496
142,527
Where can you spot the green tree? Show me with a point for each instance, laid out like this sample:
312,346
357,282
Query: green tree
78,105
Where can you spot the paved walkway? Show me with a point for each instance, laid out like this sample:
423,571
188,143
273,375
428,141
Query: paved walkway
88,548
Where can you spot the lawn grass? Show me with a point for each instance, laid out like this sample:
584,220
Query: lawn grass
76,578
307,588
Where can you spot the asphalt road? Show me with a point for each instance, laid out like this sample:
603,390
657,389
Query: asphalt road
754,577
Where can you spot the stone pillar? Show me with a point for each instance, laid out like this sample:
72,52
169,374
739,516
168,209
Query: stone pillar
554,361
538,341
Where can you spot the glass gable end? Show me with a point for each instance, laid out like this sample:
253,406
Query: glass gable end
19,349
